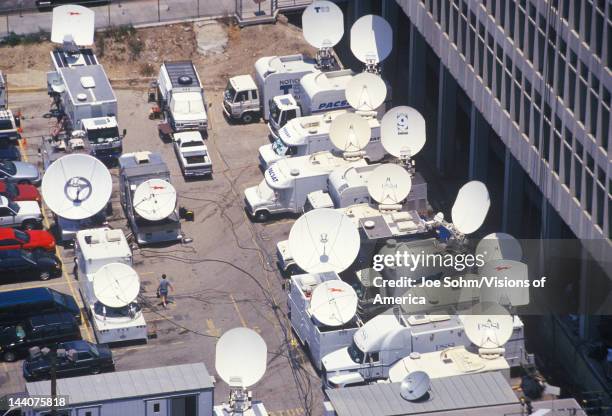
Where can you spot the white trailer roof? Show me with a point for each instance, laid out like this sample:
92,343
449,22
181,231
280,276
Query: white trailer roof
282,173
350,176
87,84
326,81
243,83
103,243
268,65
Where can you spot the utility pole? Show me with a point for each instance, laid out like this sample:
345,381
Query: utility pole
53,353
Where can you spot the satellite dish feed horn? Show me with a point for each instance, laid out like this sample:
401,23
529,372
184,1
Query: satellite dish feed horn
323,28
82,195
73,25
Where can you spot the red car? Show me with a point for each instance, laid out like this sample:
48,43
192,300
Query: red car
19,192
11,239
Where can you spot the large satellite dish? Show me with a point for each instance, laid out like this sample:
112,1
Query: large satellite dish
402,131
333,303
366,92
323,24
77,186
350,132
73,24
155,199
471,207
488,325
116,285
509,270
324,240
241,356
389,184
415,386
498,246
371,39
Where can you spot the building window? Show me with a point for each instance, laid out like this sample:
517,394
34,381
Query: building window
156,408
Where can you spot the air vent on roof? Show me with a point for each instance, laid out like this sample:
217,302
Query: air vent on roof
295,172
88,82
185,80
141,157
82,97
113,235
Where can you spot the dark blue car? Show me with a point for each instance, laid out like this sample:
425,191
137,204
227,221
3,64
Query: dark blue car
10,153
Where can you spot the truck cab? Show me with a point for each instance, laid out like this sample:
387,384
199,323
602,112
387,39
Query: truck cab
103,136
25,214
241,99
10,127
283,108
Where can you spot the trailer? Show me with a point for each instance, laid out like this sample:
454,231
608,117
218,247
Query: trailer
309,134
95,248
180,96
135,169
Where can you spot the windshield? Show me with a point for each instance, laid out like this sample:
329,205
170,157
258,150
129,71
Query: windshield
98,136
94,350
279,147
12,205
20,332
6,124
58,297
22,236
355,353
191,144
230,92
264,192
8,167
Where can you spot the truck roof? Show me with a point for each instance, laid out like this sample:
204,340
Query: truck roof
350,176
269,65
282,173
61,59
178,69
326,81
243,83
103,243
309,281
372,334
145,165
87,85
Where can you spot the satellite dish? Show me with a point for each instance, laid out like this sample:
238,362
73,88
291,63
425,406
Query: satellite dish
402,131
498,246
73,24
116,285
366,92
322,24
77,186
389,184
333,303
371,39
350,132
488,325
155,199
241,356
324,240
415,386
510,270
471,207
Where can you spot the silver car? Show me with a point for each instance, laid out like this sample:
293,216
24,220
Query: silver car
19,172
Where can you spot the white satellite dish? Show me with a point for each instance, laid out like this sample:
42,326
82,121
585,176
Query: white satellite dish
333,303
155,199
116,285
73,23
366,92
324,240
471,207
510,270
389,184
488,325
415,386
402,131
498,246
323,24
241,356
77,186
350,132
371,39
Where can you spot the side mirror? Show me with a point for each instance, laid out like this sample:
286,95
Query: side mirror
124,132
17,121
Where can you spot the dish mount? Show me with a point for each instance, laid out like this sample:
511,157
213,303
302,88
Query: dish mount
323,28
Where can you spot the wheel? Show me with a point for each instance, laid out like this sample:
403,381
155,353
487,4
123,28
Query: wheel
95,370
45,275
9,356
29,225
247,118
262,216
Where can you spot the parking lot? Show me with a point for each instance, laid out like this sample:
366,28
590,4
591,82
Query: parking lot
225,278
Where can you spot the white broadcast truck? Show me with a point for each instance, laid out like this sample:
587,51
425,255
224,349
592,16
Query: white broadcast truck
322,92
288,182
180,96
95,248
319,339
309,134
393,335
247,99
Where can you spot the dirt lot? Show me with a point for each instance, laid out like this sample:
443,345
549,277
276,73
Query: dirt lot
129,54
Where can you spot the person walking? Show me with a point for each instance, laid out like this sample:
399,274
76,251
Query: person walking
163,288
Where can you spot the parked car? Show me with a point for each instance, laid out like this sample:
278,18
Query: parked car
18,305
74,358
19,192
44,264
10,152
24,214
37,331
19,172
12,239
192,154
